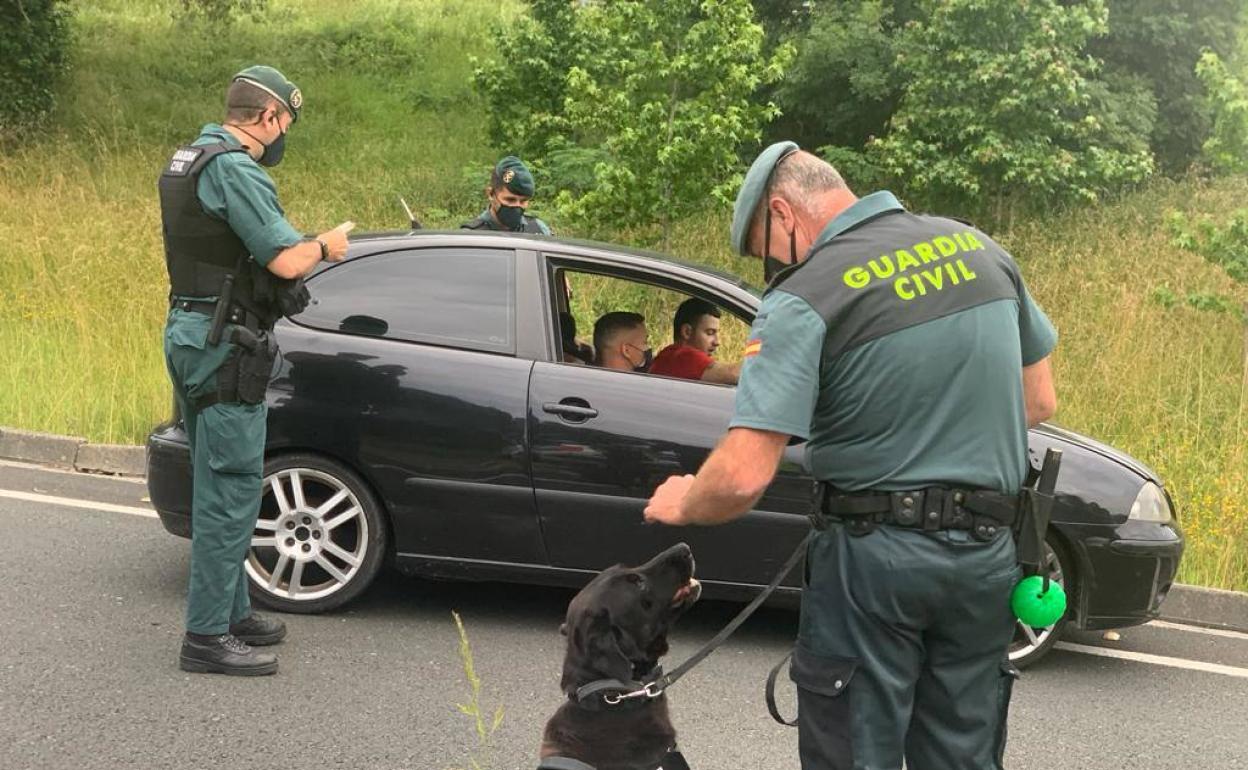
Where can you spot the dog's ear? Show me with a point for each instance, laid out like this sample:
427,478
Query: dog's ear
594,651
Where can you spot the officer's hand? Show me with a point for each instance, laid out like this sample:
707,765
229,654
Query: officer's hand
336,240
664,506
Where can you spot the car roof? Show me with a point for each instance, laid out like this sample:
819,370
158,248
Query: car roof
364,244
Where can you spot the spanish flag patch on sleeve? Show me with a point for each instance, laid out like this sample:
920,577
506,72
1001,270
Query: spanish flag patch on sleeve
753,348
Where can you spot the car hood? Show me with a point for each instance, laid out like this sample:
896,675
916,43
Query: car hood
1104,450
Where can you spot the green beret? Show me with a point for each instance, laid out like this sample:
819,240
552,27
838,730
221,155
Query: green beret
269,79
752,190
512,173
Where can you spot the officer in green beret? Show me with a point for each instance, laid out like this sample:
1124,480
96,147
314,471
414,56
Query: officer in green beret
908,353
235,266
508,195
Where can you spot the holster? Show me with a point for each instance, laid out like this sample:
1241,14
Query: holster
1035,509
244,377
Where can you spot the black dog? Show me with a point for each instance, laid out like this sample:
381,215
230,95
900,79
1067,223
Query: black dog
617,630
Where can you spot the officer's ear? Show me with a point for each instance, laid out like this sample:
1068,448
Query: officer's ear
783,215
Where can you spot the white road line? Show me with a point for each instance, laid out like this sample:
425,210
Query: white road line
74,502
1156,660
1226,633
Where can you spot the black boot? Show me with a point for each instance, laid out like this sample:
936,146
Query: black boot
224,655
259,631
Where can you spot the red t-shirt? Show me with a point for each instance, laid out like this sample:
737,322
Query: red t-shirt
677,360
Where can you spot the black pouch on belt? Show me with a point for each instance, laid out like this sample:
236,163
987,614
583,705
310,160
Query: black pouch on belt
246,372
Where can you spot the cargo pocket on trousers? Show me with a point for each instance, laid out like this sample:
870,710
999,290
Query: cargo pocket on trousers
234,434
823,705
1005,690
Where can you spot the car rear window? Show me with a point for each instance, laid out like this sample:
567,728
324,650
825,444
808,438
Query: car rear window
462,298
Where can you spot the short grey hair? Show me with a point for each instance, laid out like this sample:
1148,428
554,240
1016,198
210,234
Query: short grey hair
797,178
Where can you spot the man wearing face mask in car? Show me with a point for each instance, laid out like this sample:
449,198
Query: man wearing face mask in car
509,192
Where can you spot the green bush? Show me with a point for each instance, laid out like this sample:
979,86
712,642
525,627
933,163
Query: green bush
34,35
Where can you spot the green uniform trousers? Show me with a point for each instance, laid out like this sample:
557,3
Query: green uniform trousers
902,649
227,460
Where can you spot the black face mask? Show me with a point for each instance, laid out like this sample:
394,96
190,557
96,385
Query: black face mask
511,217
273,151
772,266
647,358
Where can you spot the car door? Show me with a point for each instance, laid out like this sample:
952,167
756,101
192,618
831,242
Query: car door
602,441
405,368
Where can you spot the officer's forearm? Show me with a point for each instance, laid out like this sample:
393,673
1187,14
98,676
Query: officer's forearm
734,477
297,260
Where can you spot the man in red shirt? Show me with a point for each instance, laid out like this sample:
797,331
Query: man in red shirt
696,331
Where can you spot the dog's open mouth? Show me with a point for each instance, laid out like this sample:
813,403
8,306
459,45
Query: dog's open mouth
688,593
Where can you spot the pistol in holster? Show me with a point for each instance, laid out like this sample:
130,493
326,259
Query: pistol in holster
244,377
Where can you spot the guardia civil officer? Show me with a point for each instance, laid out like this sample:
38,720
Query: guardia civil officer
507,196
235,265
906,349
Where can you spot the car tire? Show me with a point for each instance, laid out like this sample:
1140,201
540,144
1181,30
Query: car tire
1029,645
320,539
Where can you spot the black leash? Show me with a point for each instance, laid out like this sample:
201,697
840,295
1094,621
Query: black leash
657,686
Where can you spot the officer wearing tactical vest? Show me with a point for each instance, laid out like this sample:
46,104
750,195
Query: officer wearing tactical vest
906,350
508,195
235,265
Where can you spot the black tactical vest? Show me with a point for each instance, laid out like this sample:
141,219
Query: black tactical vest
898,270
200,249
486,222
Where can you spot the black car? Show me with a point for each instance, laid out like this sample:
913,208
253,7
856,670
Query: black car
425,413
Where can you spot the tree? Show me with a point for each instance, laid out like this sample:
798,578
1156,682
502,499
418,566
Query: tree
650,99
997,107
34,35
525,85
1226,149
1158,42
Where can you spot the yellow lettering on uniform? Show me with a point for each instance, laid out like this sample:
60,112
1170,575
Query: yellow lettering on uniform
953,276
967,273
925,252
936,280
882,273
975,242
902,291
946,246
905,261
918,285
857,277
961,241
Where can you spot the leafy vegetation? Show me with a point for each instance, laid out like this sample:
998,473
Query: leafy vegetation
34,35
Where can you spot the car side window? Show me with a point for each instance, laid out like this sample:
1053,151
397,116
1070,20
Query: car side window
462,298
641,317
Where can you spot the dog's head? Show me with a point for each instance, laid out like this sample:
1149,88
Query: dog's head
617,625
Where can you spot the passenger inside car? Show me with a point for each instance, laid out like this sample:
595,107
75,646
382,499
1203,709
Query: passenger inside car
574,351
622,342
695,330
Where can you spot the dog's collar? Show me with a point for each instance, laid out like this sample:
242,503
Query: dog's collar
673,761
614,693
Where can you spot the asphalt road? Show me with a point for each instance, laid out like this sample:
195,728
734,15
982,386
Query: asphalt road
90,619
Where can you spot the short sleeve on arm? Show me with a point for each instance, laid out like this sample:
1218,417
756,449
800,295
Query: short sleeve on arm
1035,330
779,383
239,192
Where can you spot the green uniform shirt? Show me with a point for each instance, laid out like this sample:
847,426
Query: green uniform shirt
936,402
233,187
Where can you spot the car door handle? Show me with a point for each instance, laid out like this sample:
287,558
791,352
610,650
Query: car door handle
575,410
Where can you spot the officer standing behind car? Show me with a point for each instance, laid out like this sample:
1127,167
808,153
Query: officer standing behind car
507,196
907,350
235,265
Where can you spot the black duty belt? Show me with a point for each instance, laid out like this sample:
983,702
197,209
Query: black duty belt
981,512
237,315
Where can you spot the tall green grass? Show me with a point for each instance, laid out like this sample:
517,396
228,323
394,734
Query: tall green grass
389,112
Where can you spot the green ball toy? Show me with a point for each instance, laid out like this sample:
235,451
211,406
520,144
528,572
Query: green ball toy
1035,605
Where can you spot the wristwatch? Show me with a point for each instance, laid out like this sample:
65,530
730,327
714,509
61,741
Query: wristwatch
324,249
